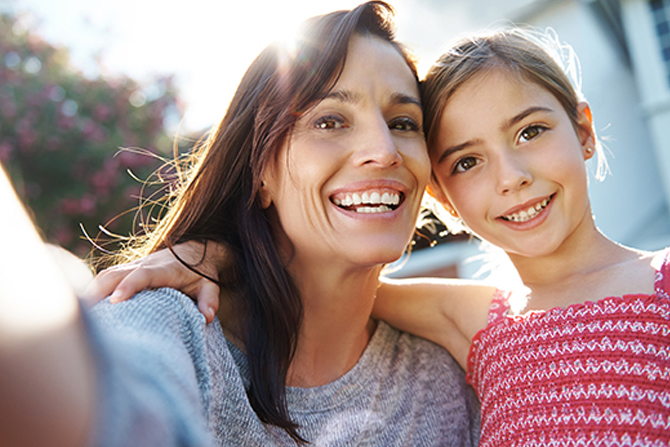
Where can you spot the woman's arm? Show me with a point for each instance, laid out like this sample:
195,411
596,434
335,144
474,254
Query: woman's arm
47,386
162,269
448,312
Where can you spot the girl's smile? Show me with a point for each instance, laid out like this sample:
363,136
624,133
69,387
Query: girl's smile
529,215
510,162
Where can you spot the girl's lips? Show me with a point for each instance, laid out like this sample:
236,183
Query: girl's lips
531,207
529,214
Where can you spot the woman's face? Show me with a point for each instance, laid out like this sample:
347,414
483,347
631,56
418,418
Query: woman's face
510,162
347,186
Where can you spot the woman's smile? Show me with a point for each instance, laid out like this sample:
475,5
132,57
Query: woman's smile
349,182
382,197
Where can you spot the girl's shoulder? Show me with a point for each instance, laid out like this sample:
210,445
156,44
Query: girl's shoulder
661,263
660,259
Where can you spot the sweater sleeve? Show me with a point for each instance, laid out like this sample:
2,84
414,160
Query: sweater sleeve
153,378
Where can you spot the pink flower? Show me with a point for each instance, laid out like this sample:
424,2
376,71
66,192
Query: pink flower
63,235
88,204
102,112
69,206
94,132
7,107
6,150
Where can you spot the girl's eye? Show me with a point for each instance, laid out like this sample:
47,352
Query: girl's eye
329,122
465,164
531,132
405,124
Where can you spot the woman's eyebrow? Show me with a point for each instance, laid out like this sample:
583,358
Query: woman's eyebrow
344,96
402,98
529,111
348,96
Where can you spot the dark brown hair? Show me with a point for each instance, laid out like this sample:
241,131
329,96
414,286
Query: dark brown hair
219,198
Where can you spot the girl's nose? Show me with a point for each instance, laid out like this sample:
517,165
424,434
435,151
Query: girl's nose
512,174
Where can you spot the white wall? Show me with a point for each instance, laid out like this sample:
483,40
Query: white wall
652,83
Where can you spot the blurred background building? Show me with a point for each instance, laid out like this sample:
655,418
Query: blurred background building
139,67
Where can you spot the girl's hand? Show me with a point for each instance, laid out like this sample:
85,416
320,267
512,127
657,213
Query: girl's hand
162,269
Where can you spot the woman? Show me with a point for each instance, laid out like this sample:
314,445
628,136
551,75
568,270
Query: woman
313,181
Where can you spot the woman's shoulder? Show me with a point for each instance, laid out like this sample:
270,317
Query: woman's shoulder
157,310
416,353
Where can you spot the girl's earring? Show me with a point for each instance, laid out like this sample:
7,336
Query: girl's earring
589,152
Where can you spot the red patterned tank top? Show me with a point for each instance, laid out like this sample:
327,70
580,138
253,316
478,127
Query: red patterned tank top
593,374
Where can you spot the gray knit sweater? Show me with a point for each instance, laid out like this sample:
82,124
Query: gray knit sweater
168,379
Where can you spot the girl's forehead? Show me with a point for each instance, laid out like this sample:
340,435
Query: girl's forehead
494,74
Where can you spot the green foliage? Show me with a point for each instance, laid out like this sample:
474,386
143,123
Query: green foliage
60,135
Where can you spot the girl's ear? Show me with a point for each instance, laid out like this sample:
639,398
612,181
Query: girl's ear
435,191
585,130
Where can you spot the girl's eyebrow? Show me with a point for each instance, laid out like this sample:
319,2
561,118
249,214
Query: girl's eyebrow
459,147
529,111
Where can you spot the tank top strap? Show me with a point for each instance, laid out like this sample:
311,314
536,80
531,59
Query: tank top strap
662,283
499,306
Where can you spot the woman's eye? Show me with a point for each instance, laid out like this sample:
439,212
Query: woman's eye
465,164
404,124
531,132
329,122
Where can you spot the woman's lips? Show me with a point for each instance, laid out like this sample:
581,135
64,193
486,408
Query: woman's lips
369,201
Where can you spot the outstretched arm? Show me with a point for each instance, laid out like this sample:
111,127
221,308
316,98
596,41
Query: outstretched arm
46,368
448,312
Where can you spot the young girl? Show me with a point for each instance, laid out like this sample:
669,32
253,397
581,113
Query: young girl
582,358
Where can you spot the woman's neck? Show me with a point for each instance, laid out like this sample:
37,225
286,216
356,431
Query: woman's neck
336,327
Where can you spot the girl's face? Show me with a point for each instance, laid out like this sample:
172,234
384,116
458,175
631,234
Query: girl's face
348,184
510,163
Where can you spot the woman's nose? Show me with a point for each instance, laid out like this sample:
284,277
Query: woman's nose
513,174
377,146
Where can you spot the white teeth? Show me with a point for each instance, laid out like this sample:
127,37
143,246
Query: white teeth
380,203
526,215
372,209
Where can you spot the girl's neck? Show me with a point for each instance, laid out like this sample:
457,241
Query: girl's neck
576,255
586,267
336,326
